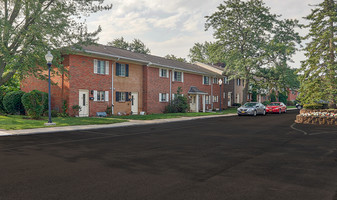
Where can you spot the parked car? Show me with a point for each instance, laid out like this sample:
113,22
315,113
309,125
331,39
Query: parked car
299,106
252,108
276,107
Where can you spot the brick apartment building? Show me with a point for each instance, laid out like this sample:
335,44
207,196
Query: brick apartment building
100,76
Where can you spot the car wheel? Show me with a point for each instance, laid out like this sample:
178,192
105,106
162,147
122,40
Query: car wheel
254,114
279,111
264,112
239,115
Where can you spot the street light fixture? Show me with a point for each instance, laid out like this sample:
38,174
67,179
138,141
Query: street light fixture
49,57
220,97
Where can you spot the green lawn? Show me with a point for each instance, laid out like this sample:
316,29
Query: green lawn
15,122
174,115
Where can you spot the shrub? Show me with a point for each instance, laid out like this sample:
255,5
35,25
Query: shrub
35,103
12,102
2,95
282,98
76,109
236,104
178,105
313,106
290,103
108,110
53,113
266,103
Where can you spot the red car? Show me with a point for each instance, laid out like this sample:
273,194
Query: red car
276,107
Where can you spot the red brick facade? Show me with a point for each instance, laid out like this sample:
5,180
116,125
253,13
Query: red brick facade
143,80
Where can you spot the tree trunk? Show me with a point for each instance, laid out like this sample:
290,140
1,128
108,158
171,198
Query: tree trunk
245,91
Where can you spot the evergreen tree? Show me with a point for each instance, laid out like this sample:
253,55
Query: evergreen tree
319,71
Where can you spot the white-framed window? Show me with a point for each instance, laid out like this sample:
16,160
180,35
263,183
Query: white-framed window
163,97
207,99
205,80
178,76
101,95
226,80
122,70
163,73
215,80
238,81
101,67
215,98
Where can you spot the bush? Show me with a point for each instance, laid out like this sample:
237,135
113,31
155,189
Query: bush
2,95
236,104
109,110
54,113
266,103
313,106
35,103
76,109
283,98
178,105
12,102
290,103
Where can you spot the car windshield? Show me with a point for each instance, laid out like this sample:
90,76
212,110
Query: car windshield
249,105
274,104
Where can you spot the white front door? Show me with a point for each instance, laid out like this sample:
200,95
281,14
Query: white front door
84,103
134,103
193,104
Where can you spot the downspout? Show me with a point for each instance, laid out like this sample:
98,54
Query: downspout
170,78
112,86
212,106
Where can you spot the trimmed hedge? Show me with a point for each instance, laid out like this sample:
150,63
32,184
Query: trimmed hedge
35,103
12,102
313,106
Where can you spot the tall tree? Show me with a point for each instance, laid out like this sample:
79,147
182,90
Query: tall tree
205,53
136,45
319,71
28,28
173,57
247,38
119,43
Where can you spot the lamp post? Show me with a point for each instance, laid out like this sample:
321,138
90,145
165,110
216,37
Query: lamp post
49,57
220,97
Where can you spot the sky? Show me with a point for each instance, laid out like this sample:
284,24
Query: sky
174,26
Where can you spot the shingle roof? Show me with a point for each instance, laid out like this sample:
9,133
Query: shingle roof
145,59
195,90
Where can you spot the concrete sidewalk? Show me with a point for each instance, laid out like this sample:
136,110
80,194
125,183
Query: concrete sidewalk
88,127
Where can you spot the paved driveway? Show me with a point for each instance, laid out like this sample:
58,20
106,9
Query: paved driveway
263,157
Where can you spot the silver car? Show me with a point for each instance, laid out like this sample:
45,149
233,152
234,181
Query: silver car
252,108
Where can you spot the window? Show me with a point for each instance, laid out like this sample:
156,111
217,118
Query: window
101,67
226,80
207,100
101,95
215,80
122,96
163,97
243,82
163,73
215,98
178,76
238,81
205,80
122,70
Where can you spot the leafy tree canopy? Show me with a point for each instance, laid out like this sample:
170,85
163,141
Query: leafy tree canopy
28,28
319,71
173,57
136,45
249,39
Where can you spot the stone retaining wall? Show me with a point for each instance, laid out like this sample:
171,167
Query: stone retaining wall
321,117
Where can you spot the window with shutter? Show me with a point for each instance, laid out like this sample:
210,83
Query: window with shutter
95,66
106,95
107,67
95,95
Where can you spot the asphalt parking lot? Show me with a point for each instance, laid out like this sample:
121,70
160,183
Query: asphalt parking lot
263,157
